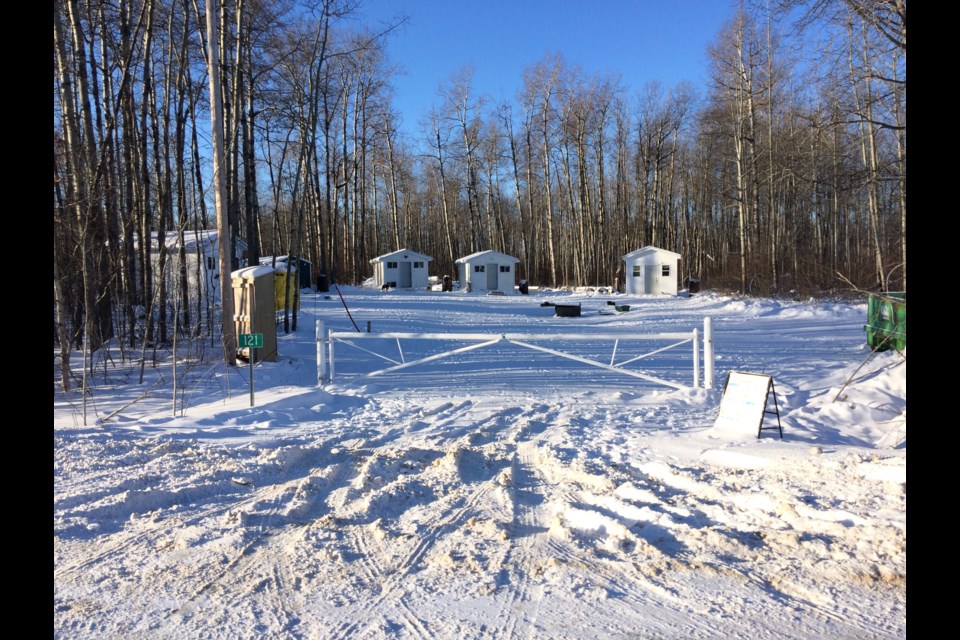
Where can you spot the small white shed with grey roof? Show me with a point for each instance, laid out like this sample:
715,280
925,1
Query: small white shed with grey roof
403,269
487,271
651,270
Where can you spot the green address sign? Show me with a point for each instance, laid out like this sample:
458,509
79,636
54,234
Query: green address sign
250,340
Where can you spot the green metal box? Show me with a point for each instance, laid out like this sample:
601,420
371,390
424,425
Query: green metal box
887,320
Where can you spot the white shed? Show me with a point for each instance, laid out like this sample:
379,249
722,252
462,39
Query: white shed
651,270
487,271
402,269
201,253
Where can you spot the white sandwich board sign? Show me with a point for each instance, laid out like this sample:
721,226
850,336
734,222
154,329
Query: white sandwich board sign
744,402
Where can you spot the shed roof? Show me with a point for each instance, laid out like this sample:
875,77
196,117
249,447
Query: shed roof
489,254
252,272
281,266
286,258
649,250
402,254
207,238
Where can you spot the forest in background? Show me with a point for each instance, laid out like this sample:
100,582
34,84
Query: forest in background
785,175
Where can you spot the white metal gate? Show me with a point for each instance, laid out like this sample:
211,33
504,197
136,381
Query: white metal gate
326,357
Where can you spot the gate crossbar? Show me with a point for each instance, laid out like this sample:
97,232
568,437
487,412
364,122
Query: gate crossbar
523,340
436,356
373,353
654,352
618,369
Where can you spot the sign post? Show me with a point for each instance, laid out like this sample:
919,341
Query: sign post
250,341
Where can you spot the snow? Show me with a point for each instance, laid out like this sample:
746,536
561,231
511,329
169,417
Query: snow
256,272
501,492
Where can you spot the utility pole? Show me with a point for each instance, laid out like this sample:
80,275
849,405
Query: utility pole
220,188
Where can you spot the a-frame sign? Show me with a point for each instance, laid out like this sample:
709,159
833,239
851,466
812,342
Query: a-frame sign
746,397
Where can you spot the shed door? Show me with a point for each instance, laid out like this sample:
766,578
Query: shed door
493,276
405,281
651,278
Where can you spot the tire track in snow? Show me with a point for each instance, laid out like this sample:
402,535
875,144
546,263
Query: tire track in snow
765,517
538,557
529,526
243,557
288,511
157,537
394,578
721,541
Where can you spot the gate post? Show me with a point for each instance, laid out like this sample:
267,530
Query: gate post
707,353
696,359
330,347
321,356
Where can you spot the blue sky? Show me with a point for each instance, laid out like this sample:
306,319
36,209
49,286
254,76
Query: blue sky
642,40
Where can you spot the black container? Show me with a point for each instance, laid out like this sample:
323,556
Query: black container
567,310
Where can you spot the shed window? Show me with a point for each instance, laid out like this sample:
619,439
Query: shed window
210,264
504,268
479,268
665,270
391,265
418,265
636,271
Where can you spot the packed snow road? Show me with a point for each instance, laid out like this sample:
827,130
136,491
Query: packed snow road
493,496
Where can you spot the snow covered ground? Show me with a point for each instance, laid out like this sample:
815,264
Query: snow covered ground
502,492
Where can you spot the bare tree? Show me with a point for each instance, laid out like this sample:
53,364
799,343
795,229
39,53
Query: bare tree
225,249
540,85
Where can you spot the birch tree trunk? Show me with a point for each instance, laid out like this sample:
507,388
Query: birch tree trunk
392,169
224,249
447,230
868,152
548,196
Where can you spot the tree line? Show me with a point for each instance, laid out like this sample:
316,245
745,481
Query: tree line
786,174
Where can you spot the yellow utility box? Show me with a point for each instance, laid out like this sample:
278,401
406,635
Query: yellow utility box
253,310
280,278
